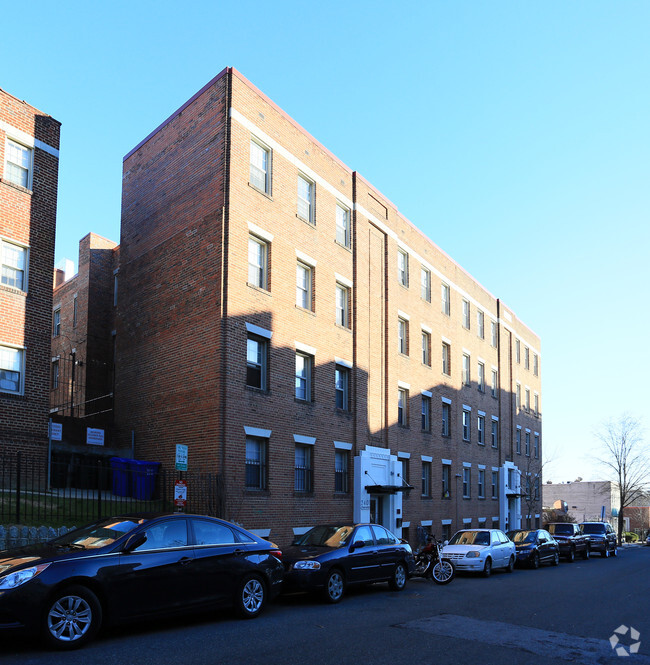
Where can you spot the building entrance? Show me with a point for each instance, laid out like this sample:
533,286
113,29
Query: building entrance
377,509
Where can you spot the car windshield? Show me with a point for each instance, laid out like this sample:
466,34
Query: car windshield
98,534
325,536
471,538
593,528
522,536
561,529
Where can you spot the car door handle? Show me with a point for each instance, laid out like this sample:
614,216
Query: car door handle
185,560
239,552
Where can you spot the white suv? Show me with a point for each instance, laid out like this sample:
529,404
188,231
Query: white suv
480,550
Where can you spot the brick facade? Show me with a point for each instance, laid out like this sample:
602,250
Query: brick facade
29,162
190,209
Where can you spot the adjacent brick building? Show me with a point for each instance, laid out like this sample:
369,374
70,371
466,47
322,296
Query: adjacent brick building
278,315
29,164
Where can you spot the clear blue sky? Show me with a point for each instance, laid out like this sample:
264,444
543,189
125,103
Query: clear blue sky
515,134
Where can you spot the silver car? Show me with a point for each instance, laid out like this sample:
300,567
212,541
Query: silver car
480,551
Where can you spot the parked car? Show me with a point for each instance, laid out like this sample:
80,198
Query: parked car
602,538
134,566
330,557
647,539
571,539
535,547
480,550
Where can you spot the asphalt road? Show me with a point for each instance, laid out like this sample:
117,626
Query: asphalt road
551,615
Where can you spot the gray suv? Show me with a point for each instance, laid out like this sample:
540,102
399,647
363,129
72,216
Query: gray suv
602,537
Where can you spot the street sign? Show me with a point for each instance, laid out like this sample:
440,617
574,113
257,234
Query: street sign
94,437
181,457
180,493
56,431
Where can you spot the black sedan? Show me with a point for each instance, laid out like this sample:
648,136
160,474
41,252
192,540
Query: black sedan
535,547
134,566
328,558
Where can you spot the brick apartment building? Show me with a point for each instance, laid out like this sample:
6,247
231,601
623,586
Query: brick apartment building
278,315
29,163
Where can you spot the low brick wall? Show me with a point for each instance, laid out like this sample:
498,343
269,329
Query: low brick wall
18,536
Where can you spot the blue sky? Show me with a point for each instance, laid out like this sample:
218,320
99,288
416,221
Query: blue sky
514,134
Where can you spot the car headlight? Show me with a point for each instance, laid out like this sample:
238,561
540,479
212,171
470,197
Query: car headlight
13,580
306,565
473,554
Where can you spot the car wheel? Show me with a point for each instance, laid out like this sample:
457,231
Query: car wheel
443,572
511,565
556,559
571,556
398,581
250,597
586,554
487,568
615,551
72,618
605,553
334,586
535,562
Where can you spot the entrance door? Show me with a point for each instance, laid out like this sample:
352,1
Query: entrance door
377,509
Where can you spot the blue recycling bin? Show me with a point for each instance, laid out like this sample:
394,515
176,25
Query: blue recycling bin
121,476
143,475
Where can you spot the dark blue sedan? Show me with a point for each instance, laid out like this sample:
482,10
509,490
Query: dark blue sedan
535,547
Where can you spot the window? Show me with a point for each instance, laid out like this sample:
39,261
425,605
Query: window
258,253
480,324
466,370
304,279
518,395
481,430
495,382
527,399
446,532
536,445
425,284
518,440
446,421
342,225
19,164
426,348
342,381
341,471
527,449
526,357
14,265
260,167
426,479
466,314
402,268
303,479
304,368
426,413
56,322
517,351
342,306
535,364
481,377
494,333
256,362
402,407
536,487
74,312
467,424
446,359
467,479
55,374
495,484
481,483
256,466
406,472
446,303
402,336
306,199
446,475
536,404
495,433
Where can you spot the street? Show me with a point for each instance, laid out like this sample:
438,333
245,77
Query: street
551,615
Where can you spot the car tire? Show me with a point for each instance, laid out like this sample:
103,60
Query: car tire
571,556
556,559
615,551
487,568
605,553
251,597
586,554
398,581
71,618
334,586
443,572
511,565
535,562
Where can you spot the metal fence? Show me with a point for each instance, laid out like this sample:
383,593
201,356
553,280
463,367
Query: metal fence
73,490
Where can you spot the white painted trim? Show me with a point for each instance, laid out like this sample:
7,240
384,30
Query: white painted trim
495,468
481,466
404,455
482,519
495,419
342,445
467,520
307,440
445,522
426,329
467,407
527,430
344,281
426,522
481,413
304,258
495,519
446,400
27,140
260,332
467,465
446,341
403,315
344,363
305,348
256,431
260,232
447,462
403,385
467,352
480,360
426,458
427,393
536,433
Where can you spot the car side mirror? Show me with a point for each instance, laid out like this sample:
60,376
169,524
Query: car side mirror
446,542
134,541
356,545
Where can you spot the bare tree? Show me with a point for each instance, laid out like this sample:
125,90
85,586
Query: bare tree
624,455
